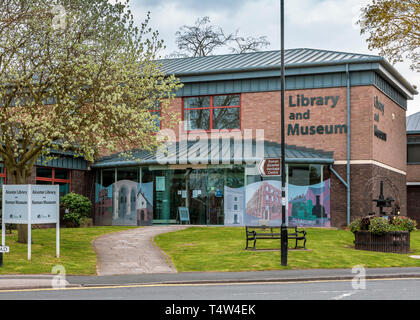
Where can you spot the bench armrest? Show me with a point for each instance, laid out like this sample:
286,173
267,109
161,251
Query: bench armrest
301,231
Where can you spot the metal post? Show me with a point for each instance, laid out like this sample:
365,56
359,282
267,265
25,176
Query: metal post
283,158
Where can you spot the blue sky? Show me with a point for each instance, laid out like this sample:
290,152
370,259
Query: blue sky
319,24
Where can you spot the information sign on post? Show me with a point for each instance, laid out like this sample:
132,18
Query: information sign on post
270,167
31,204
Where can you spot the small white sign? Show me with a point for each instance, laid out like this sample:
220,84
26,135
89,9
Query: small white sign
15,204
44,204
4,249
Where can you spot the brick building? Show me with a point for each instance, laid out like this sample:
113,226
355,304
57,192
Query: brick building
413,166
345,117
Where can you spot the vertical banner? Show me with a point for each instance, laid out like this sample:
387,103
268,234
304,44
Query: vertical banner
310,205
234,199
263,203
124,202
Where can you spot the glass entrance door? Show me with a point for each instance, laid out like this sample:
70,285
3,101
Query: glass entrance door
216,182
205,195
197,195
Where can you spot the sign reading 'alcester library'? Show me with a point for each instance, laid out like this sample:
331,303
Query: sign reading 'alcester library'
41,201
312,102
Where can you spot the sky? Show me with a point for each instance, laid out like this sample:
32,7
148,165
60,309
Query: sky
318,24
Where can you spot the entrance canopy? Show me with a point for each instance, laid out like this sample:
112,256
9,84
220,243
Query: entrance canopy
222,151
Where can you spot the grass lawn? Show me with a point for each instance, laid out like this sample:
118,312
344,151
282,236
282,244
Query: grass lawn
222,249
76,251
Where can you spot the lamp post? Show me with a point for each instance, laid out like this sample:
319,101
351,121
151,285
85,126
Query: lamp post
283,158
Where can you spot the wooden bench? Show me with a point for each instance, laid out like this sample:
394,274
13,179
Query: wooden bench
272,233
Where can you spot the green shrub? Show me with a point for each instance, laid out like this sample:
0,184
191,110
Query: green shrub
355,225
78,207
402,223
379,226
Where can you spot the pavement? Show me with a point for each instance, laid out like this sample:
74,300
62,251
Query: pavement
132,258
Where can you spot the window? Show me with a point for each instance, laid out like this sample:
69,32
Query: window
413,153
62,177
2,174
221,112
156,111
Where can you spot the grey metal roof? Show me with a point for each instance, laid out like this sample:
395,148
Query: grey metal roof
225,149
413,123
206,68
261,60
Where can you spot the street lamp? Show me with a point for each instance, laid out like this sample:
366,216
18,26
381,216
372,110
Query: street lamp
283,158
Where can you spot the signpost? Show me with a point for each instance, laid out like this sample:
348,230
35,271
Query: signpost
31,204
284,236
270,167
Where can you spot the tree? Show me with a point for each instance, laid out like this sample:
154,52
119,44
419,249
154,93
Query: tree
203,39
394,28
76,75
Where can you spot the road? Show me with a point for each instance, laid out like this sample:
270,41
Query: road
380,289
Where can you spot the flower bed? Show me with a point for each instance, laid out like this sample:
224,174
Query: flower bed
395,241
383,234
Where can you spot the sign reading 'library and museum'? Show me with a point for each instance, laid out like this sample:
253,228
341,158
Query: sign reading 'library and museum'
312,102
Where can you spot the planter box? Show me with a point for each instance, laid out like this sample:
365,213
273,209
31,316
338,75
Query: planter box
395,242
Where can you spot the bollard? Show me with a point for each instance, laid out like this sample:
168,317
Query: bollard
1,259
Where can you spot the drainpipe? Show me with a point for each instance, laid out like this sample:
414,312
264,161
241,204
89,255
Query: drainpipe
346,183
348,144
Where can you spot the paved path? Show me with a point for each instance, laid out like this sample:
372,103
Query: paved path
133,252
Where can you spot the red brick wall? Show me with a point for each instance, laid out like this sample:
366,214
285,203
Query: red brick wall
413,173
393,151
261,110
365,183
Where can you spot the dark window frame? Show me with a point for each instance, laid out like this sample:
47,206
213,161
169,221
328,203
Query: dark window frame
211,107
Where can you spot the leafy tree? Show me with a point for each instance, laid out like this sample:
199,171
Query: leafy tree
203,39
394,29
76,75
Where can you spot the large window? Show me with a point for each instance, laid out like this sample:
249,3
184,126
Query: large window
62,177
221,112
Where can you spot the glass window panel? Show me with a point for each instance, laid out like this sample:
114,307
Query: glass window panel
315,173
226,118
157,117
44,182
413,153
108,177
197,102
1,168
299,175
1,181
64,188
42,172
226,100
131,174
62,174
197,119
